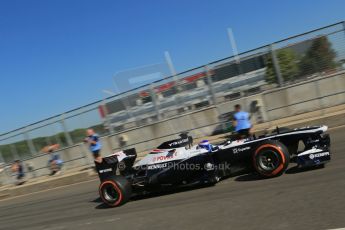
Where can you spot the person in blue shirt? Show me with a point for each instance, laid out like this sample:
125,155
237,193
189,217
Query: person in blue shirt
241,122
55,162
95,145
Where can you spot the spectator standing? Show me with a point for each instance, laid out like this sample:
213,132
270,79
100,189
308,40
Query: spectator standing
241,122
95,145
55,162
18,169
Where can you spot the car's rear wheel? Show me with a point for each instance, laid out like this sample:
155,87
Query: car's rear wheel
115,191
271,159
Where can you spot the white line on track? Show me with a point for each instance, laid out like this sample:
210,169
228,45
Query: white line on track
113,220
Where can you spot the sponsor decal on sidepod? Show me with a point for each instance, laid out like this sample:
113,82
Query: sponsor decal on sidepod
318,155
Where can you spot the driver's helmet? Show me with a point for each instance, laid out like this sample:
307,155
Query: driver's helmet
205,144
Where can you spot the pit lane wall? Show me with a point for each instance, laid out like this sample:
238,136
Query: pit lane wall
305,97
308,96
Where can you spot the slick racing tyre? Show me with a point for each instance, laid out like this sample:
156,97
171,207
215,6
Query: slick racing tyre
271,159
115,191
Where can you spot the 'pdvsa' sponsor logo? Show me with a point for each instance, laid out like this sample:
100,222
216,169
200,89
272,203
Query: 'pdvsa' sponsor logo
318,155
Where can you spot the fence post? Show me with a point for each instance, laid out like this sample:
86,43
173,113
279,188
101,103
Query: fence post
106,122
276,66
173,73
66,133
344,36
14,152
124,99
320,97
84,154
85,151
4,177
29,142
154,101
2,160
210,84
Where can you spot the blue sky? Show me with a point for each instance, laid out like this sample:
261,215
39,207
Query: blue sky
56,55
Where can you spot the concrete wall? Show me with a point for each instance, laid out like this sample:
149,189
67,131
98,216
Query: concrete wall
305,97
334,85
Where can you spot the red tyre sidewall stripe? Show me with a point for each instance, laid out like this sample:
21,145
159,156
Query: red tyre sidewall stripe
281,166
116,188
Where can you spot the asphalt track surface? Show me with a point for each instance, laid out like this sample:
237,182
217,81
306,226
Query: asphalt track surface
312,199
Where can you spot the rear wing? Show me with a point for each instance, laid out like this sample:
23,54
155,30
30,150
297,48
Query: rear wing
109,165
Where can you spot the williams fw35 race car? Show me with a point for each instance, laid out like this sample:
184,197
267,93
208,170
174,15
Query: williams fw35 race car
179,163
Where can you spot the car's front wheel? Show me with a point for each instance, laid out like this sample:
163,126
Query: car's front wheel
271,159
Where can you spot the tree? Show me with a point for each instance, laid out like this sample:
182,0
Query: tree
318,58
287,60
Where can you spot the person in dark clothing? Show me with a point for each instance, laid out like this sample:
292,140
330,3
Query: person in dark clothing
18,168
